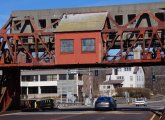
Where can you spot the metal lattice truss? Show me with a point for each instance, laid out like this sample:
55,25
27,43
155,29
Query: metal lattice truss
16,49
142,39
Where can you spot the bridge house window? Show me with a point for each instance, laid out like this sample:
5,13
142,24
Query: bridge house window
88,45
131,17
160,16
42,23
18,25
66,46
119,19
55,25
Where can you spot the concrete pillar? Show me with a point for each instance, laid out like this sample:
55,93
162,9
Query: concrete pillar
39,89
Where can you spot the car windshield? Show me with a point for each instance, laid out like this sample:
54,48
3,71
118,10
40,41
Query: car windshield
139,99
104,99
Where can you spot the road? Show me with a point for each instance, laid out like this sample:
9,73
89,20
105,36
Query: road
124,112
78,115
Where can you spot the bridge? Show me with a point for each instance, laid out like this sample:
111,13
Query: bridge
84,39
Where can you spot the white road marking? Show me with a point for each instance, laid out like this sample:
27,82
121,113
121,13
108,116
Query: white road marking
152,118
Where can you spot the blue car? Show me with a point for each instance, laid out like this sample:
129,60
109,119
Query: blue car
105,103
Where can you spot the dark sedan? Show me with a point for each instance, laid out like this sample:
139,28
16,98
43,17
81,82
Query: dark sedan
105,103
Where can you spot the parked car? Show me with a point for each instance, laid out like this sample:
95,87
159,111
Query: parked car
46,104
105,103
140,102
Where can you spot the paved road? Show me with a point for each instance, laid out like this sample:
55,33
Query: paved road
78,115
124,112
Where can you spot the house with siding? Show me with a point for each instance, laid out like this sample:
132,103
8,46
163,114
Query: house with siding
123,77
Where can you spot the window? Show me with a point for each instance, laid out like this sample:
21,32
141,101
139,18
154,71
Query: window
131,85
108,87
24,39
71,76
62,77
131,17
80,77
18,25
116,71
131,78
49,89
43,78
127,69
42,23
51,77
33,90
88,45
29,78
160,16
52,21
119,19
66,46
120,77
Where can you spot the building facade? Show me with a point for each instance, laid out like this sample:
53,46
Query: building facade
123,77
132,76
50,83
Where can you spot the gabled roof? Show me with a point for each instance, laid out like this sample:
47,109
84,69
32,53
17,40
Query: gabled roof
82,22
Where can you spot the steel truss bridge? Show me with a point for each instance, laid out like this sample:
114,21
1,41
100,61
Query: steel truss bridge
119,48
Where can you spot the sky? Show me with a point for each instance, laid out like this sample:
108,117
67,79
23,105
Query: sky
7,6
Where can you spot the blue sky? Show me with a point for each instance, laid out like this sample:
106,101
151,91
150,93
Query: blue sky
7,6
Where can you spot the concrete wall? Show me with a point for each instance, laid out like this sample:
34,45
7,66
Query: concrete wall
114,10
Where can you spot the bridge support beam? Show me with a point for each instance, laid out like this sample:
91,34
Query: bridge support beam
11,82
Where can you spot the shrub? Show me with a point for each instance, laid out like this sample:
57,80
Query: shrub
134,92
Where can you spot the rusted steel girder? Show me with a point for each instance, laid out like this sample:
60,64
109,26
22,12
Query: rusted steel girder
13,48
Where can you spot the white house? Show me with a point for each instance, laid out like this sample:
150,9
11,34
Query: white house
123,77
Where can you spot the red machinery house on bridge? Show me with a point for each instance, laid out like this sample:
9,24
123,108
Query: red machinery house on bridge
80,39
